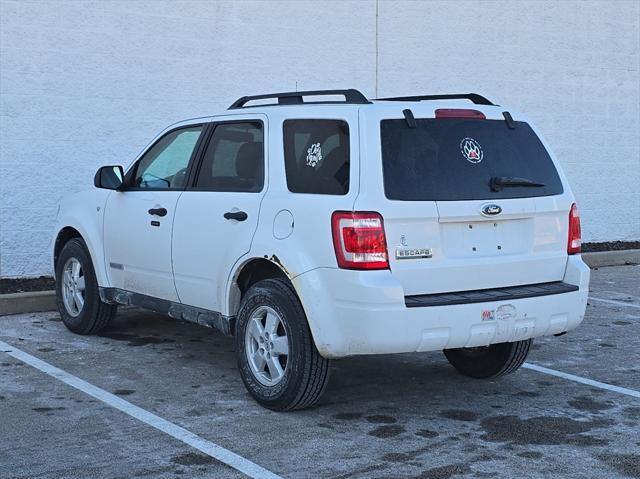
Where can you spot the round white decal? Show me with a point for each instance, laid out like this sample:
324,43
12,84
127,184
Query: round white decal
471,150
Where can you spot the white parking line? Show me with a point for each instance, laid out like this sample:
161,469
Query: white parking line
611,301
209,448
578,379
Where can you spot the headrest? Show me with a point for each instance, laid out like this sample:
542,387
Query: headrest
334,160
249,160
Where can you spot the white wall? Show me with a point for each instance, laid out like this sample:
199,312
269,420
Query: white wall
90,83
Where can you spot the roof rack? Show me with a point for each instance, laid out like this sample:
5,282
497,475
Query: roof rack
296,98
474,97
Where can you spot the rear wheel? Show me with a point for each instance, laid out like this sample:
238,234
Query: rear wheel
277,358
77,293
489,361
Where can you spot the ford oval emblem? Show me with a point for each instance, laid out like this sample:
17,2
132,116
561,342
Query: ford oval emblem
491,210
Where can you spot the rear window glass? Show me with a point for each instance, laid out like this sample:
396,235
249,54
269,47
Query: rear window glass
455,159
316,155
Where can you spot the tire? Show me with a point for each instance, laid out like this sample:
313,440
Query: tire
489,361
304,373
93,315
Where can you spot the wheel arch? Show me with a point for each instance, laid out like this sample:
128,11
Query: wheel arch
70,231
249,272
80,215
66,234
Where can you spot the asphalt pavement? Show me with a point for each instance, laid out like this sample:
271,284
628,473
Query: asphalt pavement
156,398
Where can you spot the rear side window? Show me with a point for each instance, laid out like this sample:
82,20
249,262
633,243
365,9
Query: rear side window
316,155
455,159
234,159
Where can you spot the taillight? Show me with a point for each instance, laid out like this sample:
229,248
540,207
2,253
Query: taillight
359,240
459,113
575,236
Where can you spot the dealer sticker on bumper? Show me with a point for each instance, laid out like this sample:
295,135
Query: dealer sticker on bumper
503,313
488,315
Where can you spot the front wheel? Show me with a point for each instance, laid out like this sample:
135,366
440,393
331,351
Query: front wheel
277,358
489,361
77,293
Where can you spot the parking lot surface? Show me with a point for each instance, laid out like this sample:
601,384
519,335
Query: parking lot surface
392,416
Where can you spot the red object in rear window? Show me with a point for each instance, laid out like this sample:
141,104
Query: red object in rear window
459,113
574,245
359,240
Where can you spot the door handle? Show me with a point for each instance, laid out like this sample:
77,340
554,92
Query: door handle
236,215
158,211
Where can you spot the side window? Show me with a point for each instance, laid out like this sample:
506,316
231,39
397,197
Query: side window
234,159
165,164
316,156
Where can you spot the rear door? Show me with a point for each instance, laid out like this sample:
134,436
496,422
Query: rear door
447,228
217,216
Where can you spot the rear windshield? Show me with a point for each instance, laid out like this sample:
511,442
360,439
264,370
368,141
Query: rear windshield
455,159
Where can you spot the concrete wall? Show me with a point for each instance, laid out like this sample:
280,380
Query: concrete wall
90,83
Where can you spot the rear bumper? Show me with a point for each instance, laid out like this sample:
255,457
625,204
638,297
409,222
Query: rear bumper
353,312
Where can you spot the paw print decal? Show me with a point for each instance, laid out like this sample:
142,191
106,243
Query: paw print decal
471,150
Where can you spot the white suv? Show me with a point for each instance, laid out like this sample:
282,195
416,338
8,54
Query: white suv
325,225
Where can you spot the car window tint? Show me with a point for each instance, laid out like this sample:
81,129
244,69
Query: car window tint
316,154
165,164
234,159
455,159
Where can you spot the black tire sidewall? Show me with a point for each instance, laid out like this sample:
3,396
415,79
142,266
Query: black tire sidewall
267,293
492,362
84,322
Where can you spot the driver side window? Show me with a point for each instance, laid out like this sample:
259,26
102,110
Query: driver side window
164,165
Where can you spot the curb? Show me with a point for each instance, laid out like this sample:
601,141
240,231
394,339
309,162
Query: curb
612,258
30,302
38,301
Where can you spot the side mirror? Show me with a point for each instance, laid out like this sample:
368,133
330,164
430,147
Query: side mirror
109,177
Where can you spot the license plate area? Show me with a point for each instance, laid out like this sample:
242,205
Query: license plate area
477,239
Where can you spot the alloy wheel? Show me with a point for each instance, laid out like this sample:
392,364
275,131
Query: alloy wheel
73,287
267,346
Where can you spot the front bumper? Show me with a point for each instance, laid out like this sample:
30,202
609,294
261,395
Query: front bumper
364,312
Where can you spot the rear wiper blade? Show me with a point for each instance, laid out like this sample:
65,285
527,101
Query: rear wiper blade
498,182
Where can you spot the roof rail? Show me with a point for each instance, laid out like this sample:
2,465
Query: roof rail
474,97
296,97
